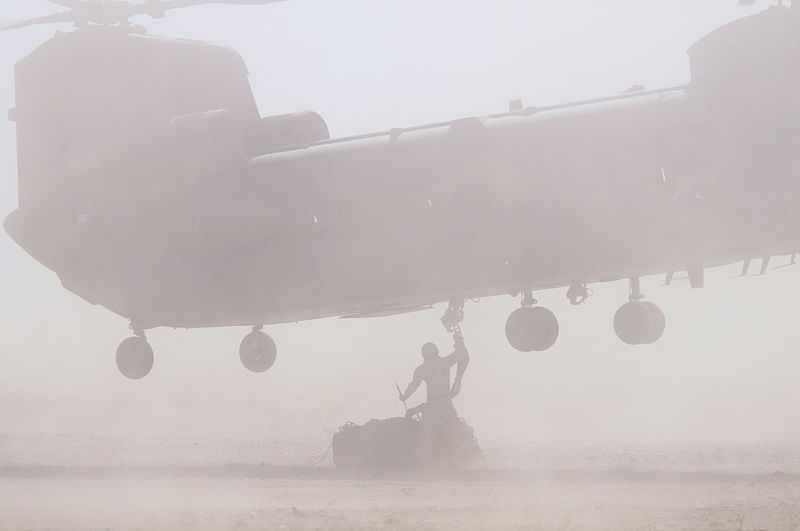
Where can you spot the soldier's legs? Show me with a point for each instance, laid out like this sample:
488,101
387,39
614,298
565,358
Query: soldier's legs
440,416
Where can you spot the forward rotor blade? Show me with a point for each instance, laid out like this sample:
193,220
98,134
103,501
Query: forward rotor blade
171,4
66,3
66,16
186,3
156,8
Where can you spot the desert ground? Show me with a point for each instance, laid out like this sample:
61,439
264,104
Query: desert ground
69,481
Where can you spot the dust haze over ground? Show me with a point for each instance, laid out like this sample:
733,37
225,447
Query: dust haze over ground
696,431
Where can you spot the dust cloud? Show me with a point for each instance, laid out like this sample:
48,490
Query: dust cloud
695,431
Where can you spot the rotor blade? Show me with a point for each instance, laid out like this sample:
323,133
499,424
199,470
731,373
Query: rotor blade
66,16
156,8
172,4
66,3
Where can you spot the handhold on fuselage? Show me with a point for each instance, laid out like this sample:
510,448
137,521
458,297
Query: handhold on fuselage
746,266
764,264
696,276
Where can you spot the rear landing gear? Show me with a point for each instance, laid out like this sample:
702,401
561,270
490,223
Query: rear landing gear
135,356
639,322
531,328
257,350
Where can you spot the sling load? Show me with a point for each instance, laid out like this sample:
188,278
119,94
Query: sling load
430,435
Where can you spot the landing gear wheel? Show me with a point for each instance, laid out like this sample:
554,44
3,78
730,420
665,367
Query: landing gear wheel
639,323
257,351
134,357
532,328
658,323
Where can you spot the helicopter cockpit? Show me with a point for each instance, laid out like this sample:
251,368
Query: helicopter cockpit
84,92
84,95
118,130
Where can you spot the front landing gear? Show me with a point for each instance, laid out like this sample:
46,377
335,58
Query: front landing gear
135,356
639,322
531,327
257,350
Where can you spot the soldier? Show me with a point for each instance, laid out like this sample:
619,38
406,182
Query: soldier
435,372
439,416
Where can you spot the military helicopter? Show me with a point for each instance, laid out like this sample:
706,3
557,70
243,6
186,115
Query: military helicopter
149,182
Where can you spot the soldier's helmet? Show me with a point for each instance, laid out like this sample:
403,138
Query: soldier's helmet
429,350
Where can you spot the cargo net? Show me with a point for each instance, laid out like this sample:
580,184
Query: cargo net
402,443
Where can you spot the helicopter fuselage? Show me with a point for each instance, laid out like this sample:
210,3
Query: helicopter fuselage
150,184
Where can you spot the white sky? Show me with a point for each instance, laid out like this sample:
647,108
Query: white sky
726,369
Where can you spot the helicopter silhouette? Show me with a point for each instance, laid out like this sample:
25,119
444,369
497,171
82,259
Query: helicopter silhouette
149,182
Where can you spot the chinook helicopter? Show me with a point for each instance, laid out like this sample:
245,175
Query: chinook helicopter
149,182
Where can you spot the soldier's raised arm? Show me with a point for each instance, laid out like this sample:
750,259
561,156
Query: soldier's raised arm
459,354
461,357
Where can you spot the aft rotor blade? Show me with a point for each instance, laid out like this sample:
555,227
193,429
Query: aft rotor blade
66,16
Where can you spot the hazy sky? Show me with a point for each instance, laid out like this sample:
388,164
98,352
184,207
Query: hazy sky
726,368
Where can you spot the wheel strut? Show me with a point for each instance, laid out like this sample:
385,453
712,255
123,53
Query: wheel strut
527,299
137,331
635,290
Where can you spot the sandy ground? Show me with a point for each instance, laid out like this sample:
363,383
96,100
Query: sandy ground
140,484
197,467
204,499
